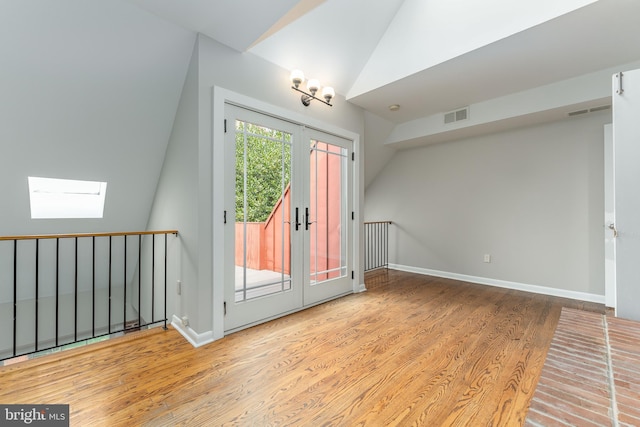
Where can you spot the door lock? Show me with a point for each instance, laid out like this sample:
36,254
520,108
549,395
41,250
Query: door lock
612,227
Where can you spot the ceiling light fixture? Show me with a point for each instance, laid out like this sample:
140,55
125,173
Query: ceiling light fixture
313,86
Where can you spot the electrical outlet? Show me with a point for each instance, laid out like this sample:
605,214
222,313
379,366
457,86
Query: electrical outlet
179,287
487,257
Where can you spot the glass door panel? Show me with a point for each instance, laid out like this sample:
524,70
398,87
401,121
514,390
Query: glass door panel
327,212
328,217
262,211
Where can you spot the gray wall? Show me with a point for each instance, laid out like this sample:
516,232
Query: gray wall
376,154
177,192
531,198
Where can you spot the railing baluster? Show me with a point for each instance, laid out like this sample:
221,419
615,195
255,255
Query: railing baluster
109,314
15,297
386,246
376,239
153,278
139,279
124,290
366,245
57,290
37,290
93,286
380,248
370,252
374,260
75,292
377,234
165,281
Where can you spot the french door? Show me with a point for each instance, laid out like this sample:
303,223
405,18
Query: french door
289,200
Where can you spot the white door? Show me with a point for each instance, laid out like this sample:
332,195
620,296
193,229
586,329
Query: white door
288,209
263,277
609,220
626,137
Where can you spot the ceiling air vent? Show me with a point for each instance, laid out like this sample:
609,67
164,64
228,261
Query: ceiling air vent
577,113
456,116
590,110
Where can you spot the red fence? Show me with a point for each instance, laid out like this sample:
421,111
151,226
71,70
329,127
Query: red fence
265,240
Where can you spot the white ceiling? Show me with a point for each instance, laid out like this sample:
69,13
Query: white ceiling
342,41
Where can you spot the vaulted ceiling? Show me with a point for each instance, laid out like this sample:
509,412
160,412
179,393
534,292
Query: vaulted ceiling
89,89
428,56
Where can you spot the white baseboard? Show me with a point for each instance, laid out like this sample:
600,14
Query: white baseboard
563,293
196,339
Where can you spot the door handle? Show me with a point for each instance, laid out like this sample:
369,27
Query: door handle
306,219
612,227
297,220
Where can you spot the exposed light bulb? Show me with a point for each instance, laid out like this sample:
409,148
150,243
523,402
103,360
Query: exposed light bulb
297,77
312,86
328,93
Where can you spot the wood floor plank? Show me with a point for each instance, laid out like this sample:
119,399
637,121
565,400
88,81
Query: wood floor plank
412,350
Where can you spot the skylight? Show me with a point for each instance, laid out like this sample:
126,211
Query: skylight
66,198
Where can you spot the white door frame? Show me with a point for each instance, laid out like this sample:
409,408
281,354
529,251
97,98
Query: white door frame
220,97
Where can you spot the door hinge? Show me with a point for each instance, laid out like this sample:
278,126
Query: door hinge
353,215
225,125
225,308
225,217
619,89
353,156
353,275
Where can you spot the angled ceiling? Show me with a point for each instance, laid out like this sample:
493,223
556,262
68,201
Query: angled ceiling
428,56
89,91
237,24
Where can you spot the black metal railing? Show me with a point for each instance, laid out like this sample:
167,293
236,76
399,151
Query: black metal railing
376,245
57,290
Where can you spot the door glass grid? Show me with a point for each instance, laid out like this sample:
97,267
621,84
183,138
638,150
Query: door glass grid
262,211
327,213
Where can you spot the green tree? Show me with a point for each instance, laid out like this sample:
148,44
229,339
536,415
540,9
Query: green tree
268,170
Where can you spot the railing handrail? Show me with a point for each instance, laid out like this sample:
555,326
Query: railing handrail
73,235
378,222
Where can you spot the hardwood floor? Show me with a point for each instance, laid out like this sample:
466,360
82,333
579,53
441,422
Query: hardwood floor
412,350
